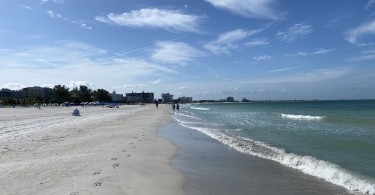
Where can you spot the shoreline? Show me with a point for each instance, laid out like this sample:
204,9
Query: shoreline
211,167
99,155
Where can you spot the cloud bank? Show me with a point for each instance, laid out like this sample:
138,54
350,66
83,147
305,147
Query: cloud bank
172,20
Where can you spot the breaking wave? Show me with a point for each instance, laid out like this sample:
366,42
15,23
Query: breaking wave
302,117
199,108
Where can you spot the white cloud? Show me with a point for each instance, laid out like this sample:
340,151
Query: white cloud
257,42
74,61
82,24
52,14
262,58
366,55
323,74
282,69
293,33
320,51
80,46
369,51
26,7
14,86
174,52
158,81
363,57
249,8
357,33
85,26
76,84
300,53
369,4
48,85
313,76
172,20
323,51
41,2
126,86
59,54
229,41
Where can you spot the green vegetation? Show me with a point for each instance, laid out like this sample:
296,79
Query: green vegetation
58,94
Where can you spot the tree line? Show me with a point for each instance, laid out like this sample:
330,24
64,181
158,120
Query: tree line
60,94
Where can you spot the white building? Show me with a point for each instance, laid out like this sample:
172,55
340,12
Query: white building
166,98
117,97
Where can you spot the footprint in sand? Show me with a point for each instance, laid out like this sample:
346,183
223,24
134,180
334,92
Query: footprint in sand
98,183
114,158
97,172
132,143
115,165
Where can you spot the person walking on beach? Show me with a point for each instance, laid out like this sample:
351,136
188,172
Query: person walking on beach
173,107
178,107
156,104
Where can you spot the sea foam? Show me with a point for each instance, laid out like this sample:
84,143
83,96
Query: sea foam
189,116
199,108
302,117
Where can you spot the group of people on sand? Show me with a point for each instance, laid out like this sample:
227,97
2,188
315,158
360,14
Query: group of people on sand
175,107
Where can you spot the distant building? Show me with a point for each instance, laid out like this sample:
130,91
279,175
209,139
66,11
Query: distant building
185,99
245,100
40,92
5,93
230,99
140,97
13,94
117,97
166,98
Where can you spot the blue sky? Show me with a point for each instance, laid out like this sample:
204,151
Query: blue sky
207,49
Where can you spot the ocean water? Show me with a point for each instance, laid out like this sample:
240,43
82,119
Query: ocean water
332,140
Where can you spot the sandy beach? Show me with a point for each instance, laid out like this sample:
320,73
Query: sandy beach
131,150
103,151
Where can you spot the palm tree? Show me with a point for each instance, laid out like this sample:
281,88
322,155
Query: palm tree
60,93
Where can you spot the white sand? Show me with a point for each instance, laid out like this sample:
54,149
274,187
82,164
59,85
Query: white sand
104,151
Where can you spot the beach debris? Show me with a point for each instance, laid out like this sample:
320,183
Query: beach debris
76,112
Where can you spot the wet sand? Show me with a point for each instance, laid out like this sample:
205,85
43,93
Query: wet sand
104,151
210,167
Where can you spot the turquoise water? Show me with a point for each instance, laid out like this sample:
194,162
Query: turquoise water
333,140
